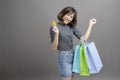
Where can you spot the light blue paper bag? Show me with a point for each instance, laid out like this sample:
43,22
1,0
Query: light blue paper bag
93,58
76,61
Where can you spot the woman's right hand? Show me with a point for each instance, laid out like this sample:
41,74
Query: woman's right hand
55,29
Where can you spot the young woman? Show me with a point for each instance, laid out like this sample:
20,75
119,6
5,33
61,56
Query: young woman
62,39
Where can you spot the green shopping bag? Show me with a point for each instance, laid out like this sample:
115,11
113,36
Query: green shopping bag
84,70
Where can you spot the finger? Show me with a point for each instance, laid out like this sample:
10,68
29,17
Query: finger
94,19
55,28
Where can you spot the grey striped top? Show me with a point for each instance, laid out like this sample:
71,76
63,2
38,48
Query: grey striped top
66,33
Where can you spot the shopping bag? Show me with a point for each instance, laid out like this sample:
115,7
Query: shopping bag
76,60
84,71
79,62
93,59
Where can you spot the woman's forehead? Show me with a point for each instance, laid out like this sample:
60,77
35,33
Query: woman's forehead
70,13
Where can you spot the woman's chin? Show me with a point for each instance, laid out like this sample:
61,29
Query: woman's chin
66,22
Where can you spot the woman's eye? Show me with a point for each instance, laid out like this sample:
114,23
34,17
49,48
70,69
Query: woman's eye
71,17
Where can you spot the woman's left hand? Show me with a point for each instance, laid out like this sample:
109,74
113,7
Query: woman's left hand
92,21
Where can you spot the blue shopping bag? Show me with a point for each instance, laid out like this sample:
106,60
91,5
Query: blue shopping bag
93,59
76,61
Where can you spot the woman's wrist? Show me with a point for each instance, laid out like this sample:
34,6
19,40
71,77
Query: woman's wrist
90,25
57,34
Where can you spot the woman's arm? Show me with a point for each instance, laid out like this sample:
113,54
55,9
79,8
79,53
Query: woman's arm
87,34
54,43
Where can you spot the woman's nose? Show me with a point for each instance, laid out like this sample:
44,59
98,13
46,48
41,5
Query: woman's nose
69,18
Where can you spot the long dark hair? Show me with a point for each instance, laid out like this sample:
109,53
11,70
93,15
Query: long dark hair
66,10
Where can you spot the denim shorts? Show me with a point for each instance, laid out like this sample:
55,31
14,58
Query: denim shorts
65,61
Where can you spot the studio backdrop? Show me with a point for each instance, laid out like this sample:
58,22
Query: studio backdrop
25,41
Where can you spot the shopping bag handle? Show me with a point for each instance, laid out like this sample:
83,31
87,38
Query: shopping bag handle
82,40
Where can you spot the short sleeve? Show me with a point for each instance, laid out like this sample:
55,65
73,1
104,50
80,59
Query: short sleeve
52,34
77,33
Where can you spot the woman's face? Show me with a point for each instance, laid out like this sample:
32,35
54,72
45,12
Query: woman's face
68,18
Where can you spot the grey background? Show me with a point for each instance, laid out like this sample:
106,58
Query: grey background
25,51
